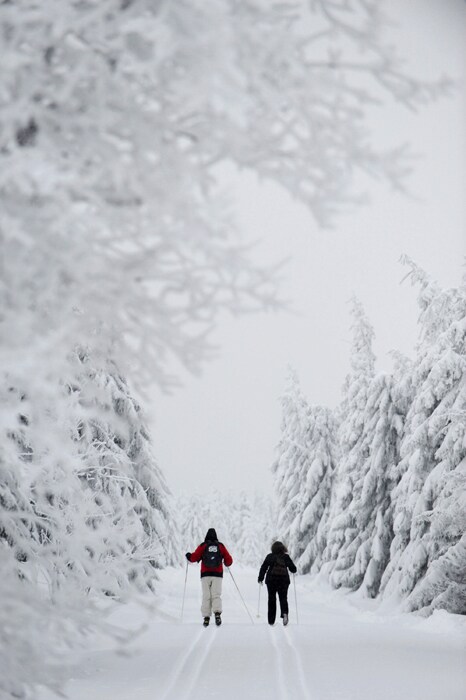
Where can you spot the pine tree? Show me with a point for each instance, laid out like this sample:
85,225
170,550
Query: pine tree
257,529
427,557
33,639
191,519
339,557
118,461
371,507
292,463
95,508
443,585
83,509
242,517
317,488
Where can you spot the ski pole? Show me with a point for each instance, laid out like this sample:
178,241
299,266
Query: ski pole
295,598
259,601
184,591
246,607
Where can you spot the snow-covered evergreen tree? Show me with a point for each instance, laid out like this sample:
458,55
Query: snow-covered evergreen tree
317,490
191,517
354,449
303,475
118,459
371,507
427,558
84,511
443,585
29,632
292,463
83,502
257,529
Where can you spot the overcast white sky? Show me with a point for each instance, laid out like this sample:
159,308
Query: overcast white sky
221,430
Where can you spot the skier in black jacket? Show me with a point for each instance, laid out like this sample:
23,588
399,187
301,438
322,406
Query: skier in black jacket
275,569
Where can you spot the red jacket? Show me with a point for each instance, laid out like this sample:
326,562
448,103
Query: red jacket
218,571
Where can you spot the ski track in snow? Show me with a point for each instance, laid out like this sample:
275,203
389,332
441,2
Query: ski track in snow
187,672
298,664
284,693
290,672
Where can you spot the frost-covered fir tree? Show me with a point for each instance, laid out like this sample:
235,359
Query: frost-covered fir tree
367,548
428,563
240,519
443,585
29,648
29,622
343,527
257,528
83,503
317,487
191,518
292,463
84,511
118,457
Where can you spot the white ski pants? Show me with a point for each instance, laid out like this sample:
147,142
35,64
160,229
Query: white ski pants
211,595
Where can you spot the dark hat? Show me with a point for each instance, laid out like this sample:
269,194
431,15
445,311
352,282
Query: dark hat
211,535
278,548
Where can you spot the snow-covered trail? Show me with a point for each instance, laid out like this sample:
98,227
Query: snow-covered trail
337,651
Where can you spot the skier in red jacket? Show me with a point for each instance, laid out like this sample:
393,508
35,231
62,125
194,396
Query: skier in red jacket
211,553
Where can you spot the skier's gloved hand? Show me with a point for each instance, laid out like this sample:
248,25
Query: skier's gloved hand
188,556
261,583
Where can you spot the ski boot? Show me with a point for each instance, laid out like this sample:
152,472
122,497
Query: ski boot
218,619
285,619
206,621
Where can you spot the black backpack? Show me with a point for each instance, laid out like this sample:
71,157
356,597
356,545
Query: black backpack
212,557
279,567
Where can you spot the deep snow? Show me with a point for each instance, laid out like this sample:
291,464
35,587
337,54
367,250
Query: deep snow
342,649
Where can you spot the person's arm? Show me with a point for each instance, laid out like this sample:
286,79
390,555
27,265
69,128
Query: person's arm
197,554
227,558
290,565
263,569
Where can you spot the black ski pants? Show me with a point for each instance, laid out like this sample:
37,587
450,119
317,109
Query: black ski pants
280,587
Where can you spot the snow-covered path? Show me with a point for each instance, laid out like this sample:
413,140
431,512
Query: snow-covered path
336,652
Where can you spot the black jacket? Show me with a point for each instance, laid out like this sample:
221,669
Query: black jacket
268,565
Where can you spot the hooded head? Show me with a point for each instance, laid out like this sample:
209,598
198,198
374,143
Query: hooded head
279,548
211,535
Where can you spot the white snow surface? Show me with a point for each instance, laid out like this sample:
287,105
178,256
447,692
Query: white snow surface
341,648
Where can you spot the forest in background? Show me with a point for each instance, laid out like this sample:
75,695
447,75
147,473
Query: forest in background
373,494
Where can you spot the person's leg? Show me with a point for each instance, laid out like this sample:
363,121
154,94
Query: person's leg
283,598
206,606
216,591
272,606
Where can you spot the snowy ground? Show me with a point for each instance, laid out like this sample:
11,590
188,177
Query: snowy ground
338,651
